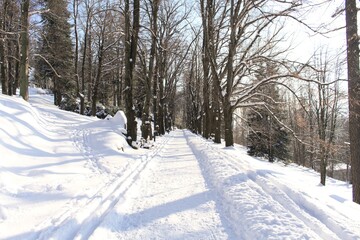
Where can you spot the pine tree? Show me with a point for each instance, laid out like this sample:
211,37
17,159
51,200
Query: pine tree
55,58
267,138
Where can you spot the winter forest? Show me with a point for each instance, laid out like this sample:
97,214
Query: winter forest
224,69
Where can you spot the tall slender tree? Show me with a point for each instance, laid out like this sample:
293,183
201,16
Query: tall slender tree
354,93
131,41
24,56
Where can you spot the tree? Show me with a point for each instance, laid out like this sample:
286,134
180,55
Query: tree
326,108
149,73
9,46
24,56
267,136
56,56
131,41
248,32
354,93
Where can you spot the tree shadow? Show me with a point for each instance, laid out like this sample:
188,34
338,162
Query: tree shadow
157,212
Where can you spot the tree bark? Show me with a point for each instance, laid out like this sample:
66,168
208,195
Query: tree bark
131,39
228,111
24,56
228,121
95,89
354,94
146,121
206,69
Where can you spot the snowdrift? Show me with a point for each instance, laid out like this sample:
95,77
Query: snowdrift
48,156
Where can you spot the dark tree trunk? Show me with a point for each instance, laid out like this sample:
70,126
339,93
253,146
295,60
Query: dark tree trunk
354,94
82,98
3,75
146,120
24,58
228,111
228,122
3,50
94,97
206,69
160,117
155,99
17,67
90,68
131,39
56,91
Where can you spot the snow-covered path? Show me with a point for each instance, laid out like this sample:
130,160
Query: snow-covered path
65,176
170,201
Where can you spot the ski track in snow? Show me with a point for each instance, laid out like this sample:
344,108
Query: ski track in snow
170,202
232,184
81,216
185,187
234,180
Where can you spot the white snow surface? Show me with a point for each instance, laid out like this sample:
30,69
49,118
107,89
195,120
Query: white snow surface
66,176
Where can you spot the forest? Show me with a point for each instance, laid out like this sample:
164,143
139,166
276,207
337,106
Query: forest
220,68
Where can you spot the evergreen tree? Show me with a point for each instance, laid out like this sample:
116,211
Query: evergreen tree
55,56
267,138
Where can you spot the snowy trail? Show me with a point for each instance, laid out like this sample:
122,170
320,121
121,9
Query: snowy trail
283,211
65,176
171,201
82,216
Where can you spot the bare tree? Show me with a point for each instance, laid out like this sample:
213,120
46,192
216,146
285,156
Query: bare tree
249,32
152,10
131,41
326,108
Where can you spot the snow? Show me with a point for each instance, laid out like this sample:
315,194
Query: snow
66,176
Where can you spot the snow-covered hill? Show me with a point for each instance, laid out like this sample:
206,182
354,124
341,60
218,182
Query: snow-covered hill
66,176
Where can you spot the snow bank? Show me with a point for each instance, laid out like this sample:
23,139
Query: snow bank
262,201
50,159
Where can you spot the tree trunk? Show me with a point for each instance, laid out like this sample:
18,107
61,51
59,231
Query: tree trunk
89,60
82,98
228,121
3,75
160,119
17,67
146,120
95,89
24,56
131,38
228,111
206,69
155,100
354,94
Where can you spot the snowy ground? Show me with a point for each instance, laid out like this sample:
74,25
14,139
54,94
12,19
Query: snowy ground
65,176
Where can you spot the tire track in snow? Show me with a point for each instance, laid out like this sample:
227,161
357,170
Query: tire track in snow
242,190
78,221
